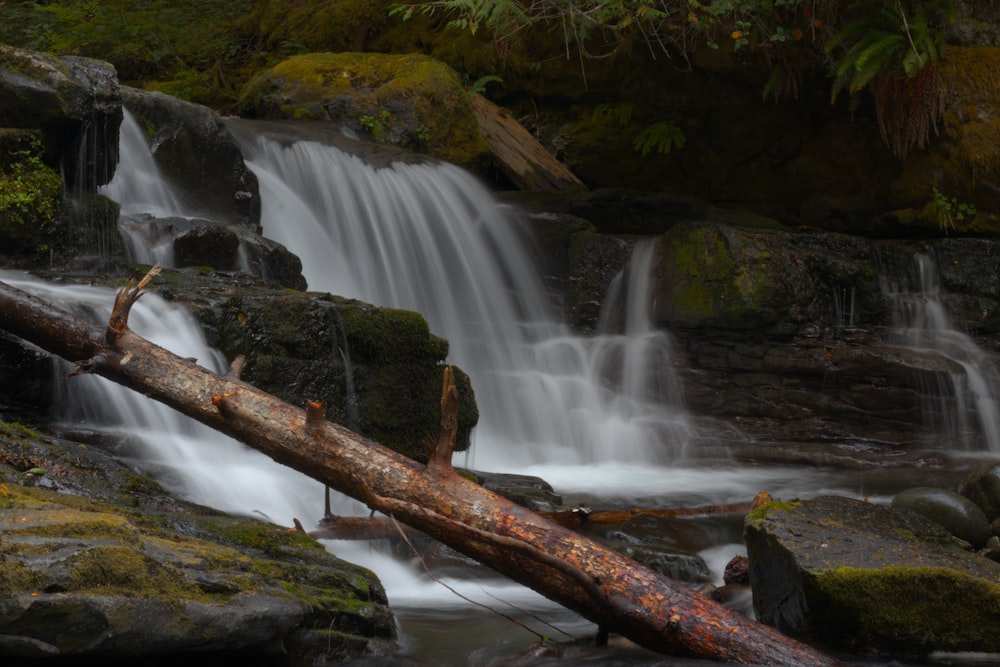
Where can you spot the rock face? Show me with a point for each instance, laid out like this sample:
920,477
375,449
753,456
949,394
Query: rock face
98,561
869,578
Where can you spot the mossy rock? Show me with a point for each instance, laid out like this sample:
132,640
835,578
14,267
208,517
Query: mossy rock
411,101
869,578
377,370
103,562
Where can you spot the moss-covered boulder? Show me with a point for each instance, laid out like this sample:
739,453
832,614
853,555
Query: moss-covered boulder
377,370
76,105
870,578
411,101
102,563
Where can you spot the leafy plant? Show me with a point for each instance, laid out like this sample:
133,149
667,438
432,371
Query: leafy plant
479,85
376,125
660,137
619,114
949,210
894,52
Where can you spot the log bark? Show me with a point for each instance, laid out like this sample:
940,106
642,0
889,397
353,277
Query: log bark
600,584
527,163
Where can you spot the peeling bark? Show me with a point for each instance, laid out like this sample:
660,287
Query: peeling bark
602,585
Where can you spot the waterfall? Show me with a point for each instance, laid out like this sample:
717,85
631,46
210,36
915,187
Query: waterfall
143,193
428,237
189,459
964,408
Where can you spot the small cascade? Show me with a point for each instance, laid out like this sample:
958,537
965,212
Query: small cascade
429,238
97,223
144,193
964,406
189,459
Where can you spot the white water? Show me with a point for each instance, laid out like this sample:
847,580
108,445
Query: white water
194,461
967,398
430,238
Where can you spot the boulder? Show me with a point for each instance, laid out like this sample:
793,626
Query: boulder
870,578
74,102
982,486
411,101
194,148
717,275
957,514
377,370
194,242
99,562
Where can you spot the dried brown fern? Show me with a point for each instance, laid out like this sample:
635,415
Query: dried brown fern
908,109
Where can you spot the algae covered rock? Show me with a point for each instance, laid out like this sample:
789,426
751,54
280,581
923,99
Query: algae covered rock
411,101
102,563
982,486
870,578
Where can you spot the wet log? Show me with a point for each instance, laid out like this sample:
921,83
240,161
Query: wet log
525,161
602,585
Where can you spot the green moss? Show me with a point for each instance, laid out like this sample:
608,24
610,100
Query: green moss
120,570
419,101
939,605
17,431
761,512
264,538
15,578
712,275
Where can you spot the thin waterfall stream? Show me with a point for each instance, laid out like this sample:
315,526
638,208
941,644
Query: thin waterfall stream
962,404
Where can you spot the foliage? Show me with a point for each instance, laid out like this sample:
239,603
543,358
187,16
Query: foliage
377,125
660,137
948,211
894,51
165,39
479,85
29,192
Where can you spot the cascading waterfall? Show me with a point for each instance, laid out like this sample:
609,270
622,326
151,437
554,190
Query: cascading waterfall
965,407
190,459
143,192
430,238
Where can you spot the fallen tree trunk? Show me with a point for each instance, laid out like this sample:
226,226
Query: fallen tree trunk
602,585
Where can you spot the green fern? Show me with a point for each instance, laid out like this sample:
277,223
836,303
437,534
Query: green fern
660,137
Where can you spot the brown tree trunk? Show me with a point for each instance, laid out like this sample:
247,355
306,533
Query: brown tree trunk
527,163
602,585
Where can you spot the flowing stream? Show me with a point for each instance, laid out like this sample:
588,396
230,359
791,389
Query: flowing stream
963,408
593,416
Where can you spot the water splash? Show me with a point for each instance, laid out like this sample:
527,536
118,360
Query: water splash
429,238
964,407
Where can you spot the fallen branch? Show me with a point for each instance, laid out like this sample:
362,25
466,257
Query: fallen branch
600,584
